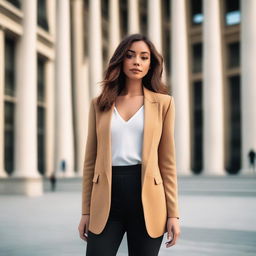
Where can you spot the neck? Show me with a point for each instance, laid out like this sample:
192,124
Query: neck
133,88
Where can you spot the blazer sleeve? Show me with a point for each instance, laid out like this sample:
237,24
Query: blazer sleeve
89,160
167,161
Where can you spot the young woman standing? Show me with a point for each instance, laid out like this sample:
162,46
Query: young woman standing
129,178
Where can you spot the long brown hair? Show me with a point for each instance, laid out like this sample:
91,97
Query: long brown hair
114,77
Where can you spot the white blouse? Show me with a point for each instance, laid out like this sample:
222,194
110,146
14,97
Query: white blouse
127,138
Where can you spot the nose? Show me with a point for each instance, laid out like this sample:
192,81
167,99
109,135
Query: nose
136,65
136,61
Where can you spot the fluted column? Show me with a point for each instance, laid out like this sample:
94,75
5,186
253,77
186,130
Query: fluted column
180,84
155,27
213,132
133,17
2,171
49,124
26,106
51,16
63,115
26,179
80,83
95,47
50,93
154,23
114,26
248,88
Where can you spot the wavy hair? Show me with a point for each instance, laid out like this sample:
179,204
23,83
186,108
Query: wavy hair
114,77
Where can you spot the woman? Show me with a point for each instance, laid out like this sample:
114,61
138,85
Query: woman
129,179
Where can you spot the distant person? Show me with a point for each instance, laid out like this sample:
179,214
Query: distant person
53,182
252,156
63,166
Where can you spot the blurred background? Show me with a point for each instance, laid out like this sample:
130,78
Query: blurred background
53,54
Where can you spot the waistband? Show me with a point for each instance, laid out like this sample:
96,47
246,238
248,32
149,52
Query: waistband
126,169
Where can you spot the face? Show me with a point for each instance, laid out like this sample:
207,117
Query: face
137,57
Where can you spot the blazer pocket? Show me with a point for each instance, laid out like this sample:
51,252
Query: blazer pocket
158,180
96,177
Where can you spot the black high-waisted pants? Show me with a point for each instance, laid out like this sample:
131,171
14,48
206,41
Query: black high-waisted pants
126,215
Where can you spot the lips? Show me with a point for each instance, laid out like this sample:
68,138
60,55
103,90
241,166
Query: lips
135,70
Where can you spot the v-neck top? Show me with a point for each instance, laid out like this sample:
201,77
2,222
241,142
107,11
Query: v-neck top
127,138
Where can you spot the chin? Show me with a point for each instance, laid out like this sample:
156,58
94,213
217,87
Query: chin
135,77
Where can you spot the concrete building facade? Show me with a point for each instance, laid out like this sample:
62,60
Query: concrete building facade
53,54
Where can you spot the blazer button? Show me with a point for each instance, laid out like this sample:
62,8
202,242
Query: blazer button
95,177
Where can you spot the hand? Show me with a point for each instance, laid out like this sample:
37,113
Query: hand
173,230
83,227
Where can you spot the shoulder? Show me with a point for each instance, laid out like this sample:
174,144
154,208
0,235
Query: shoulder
166,103
164,99
93,101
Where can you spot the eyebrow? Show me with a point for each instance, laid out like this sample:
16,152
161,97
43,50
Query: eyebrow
134,51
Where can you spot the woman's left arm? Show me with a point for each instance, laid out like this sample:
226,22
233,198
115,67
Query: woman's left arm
167,161
167,165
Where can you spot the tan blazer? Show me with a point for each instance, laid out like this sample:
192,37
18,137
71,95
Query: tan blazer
158,173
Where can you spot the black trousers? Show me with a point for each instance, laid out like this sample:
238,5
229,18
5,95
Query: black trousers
126,215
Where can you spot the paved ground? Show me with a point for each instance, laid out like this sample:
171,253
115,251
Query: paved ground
218,217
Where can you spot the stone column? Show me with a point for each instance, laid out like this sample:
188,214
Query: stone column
180,85
50,93
213,132
2,170
155,28
64,136
154,23
83,114
248,88
49,125
80,83
26,179
95,47
51,15
133,17
114,26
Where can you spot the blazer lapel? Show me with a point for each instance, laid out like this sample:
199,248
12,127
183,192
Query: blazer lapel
150,120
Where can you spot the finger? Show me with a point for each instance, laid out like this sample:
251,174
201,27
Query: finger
173,241
82,235
169,234
85,233
170,243
86,237
86,229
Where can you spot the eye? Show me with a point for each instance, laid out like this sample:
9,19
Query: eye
128,56
144,58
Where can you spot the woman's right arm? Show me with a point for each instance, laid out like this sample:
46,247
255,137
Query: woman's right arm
88,171
89,160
